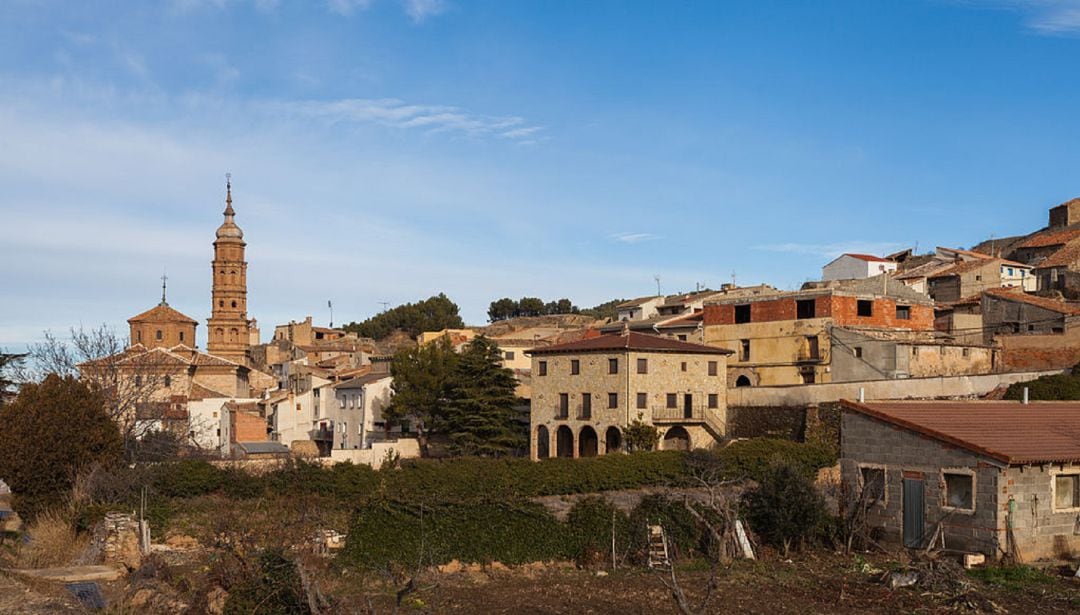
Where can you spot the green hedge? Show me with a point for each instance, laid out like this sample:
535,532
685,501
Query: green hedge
386,533
1047,388
753,458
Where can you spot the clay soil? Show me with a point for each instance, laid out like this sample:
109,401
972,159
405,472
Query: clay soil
816,584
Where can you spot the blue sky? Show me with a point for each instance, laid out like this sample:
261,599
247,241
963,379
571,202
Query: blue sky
387,150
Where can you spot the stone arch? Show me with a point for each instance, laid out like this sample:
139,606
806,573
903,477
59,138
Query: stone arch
234,335
676,439
588,442
612,440
543,444
746,376
564,442
743,381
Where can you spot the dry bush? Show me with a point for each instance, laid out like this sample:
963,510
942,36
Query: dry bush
53,541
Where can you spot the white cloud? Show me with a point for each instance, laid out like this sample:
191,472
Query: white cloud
399,114
1049,17
633,237
420,10
348,7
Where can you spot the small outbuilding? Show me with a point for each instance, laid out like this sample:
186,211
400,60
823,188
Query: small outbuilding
990,477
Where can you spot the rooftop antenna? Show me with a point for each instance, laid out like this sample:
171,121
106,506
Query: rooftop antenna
733,277
164,279
330,304
385,305
657,278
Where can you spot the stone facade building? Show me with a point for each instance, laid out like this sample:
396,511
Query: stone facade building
974,469
162,327
585,394
784,338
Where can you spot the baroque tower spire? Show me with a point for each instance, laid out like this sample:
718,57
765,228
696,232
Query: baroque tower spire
228,334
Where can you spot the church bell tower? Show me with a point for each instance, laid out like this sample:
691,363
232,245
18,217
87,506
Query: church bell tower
228,326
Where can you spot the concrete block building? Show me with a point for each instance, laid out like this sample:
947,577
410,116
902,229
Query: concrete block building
973,468
586,393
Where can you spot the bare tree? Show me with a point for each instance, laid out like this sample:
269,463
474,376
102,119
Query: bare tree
135,381
714,514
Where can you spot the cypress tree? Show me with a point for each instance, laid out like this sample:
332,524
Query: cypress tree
481,415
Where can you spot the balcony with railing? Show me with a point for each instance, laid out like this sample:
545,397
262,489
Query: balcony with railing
682,414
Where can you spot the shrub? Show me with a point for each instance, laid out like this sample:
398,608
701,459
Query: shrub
51,432
592,523
186,478
785,508
754,458
641,437
682,530
1047,388
386,534
274,586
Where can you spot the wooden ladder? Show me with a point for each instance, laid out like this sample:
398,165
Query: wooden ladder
658,551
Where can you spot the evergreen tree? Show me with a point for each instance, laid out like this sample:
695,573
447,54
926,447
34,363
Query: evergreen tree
51,432
422,380
432,314
481,416
501,309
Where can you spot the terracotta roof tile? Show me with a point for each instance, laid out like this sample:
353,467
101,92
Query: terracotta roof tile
630,341
1015,433
867,257
1054,238
1067,255
1046,303
162,312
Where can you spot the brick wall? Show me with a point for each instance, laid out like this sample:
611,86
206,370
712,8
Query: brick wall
247,427
764,311
864,440
844,311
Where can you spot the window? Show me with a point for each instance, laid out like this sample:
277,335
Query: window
157,335
712,368
221,303
234,304
805,308
966,352
612,366
672,400
1031,327
181,336
509,355
978,278
642,400
857,351
138,381
586,405
1057,330
812,347
1010,271
341,401
168,381
138,336
564,405
903,312
808,376
959,490
682,366
642,366
873,484
612,400
542,368
742,313
1066,491
744,350
864,307
714,400
575,367
682,338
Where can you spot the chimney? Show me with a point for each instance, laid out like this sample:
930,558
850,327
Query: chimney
862,394
1025,396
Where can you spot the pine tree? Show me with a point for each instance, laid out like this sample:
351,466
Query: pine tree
481,417
422,380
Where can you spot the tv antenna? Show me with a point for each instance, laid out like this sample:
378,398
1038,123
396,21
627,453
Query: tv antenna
385,305
657,278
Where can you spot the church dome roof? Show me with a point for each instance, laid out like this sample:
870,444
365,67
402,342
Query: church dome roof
228,229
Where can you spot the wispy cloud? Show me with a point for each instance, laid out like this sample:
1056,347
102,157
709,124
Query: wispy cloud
632,237
420,10
832,250
1049,17
399,114
348,7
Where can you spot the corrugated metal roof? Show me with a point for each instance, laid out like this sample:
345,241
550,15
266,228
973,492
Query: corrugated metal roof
1011,432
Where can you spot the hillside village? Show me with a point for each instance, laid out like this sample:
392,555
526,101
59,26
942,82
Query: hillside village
894,369
953,323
